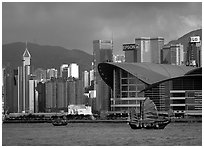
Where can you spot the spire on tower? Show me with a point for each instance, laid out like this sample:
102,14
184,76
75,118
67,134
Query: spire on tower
26,52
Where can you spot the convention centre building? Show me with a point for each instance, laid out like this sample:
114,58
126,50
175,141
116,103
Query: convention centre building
171,87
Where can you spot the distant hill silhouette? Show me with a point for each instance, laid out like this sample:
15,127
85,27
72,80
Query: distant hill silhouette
185,38
44,56
54,56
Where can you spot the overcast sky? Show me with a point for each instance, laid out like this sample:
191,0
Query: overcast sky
76,25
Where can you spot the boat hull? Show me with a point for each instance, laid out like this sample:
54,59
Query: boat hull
151,125
59,124
135,125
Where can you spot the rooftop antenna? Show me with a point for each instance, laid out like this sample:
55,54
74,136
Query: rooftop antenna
26,44
112,39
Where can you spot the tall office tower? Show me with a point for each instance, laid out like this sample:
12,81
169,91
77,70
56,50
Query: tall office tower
26,76
149,49
85,79
73,70
102,52
194,52
33,96
51,73
145,49
20,89
172,54
131,52
64,71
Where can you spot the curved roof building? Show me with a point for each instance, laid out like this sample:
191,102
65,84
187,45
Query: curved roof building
170,86
149,73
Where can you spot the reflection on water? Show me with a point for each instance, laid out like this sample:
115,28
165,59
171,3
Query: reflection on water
115,134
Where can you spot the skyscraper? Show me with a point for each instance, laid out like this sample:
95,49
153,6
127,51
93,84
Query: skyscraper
20,89
149,49
130,52
194,52
26,75
51,95
41,96
102,52
145,49
33,96
172,54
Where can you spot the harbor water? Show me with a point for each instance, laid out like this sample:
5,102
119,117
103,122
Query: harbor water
99,134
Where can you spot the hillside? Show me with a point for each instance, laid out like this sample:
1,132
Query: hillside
44,56
185,38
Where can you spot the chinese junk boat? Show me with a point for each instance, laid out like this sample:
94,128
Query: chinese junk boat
148,117
59,121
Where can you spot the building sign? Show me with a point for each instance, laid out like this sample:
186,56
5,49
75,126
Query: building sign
195,39
106,41
129,47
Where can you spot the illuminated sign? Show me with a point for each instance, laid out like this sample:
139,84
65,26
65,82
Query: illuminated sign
195,39
129,47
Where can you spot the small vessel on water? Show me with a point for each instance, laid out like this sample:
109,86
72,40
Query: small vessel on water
59,121
148,117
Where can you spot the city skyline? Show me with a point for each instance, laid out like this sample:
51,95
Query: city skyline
76,25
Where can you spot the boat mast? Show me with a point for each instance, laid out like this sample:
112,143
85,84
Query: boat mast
140,109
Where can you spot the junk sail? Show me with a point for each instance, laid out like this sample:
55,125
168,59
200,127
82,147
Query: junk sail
148,117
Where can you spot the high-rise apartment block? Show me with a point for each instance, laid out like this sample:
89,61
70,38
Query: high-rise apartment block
91,76
64,71
73,70
86,79
41,96
33,96
51,73
40,75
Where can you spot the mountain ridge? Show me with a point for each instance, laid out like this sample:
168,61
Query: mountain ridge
44,56
184,40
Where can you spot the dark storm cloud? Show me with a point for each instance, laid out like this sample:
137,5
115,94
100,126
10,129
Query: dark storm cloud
76,25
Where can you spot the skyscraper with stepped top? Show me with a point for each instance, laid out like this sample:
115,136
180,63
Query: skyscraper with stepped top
26,76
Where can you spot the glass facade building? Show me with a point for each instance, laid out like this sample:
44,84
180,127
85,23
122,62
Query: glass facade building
102,52
186,96
169,86
127,91
173,54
